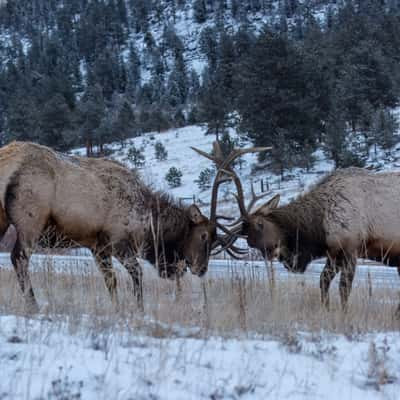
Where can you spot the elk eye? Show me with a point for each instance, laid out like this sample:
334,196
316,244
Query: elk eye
204,237
260,225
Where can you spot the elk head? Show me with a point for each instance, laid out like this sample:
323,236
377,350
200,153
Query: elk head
261,233
264,233
201,238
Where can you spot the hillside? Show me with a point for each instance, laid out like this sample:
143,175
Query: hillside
301,75
177,143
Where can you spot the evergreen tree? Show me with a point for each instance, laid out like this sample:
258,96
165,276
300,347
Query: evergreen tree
276,95
124,125
173,177
134,72
199,11
136,157
384,129
55,118
91,112
161,153
213,105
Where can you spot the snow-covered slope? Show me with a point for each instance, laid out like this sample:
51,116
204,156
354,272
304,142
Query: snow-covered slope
178,144
183,22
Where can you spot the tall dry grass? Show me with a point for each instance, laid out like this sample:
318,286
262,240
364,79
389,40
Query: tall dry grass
231,305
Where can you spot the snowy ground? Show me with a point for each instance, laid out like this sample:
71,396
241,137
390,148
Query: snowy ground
94,359
43,360
67,356
380,276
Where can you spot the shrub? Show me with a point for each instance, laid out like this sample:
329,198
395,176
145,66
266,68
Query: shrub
160,151
173,177
205,177
136,157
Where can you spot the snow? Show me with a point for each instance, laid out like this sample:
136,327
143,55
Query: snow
41,359
65,359
368,272
178,144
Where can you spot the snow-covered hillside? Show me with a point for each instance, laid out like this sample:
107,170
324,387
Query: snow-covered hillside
178,143
183,22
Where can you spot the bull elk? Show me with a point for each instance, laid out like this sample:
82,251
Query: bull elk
350,213
104,206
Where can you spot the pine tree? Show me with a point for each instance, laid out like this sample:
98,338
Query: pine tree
124,125
173,177
161,153
384,129
199,11
136,157
205,178
91,112
213,105
54,117
276,95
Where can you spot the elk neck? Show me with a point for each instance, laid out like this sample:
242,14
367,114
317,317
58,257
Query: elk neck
170,223
301,224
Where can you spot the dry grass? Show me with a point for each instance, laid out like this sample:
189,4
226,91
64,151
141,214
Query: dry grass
232,305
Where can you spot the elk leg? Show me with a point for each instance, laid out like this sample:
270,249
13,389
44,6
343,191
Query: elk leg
104,262
346,280
178,293
327,275
135,271
20,256
398,308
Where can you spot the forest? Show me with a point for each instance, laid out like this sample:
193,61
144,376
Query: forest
297,75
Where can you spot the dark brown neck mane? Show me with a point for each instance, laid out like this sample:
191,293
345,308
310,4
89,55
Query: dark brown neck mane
301,223
170,227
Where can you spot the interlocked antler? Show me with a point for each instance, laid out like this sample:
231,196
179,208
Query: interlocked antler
244,210
226,173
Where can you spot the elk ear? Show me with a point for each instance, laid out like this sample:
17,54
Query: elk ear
269,205
195,215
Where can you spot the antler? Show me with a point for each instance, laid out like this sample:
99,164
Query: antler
244,210
224,166
226,173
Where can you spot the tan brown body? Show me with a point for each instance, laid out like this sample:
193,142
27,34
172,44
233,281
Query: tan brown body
99,204
351,213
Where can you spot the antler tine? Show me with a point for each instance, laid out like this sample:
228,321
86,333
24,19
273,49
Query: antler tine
225,166
224,217
255,197
217,158
203,153
233,255
214,194
227,244
235,153
224,229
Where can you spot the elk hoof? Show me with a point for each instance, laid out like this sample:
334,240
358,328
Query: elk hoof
397,313
31,307
140,308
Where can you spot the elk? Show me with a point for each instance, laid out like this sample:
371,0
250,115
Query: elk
350,213
104,206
